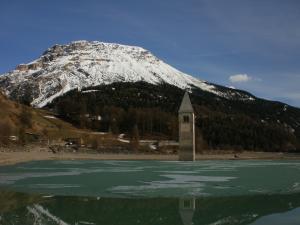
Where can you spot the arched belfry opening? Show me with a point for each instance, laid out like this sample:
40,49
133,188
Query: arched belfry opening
186,119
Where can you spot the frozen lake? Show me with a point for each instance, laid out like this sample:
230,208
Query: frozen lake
150,192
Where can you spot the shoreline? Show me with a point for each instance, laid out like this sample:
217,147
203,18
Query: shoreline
41,154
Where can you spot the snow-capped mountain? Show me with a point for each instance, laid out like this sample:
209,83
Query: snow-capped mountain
83,64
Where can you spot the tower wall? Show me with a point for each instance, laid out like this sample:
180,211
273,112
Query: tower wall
186,136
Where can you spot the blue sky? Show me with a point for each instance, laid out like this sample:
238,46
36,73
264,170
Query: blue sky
248,44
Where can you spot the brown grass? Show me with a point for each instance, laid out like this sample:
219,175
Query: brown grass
44,123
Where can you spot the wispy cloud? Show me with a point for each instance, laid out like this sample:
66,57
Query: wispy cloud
238,78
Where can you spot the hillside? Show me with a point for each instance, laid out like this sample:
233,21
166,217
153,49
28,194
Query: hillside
17,119
223,123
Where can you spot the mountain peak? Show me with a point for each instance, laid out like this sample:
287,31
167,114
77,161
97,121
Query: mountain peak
81,64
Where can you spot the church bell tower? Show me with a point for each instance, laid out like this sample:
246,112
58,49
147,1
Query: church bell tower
186,130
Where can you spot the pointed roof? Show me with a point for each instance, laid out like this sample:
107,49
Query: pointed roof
186,105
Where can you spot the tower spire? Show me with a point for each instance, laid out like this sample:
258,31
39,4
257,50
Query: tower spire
186,105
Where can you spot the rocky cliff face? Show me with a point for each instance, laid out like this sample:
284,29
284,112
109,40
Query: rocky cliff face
83,64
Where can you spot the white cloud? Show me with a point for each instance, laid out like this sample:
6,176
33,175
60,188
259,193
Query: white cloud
231,87
239,78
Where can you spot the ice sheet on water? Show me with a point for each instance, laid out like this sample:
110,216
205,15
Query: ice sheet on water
10,178
155,178
188,184
286,218
54,186
178,172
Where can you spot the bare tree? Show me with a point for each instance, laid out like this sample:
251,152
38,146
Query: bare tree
134,141
5,132
26,117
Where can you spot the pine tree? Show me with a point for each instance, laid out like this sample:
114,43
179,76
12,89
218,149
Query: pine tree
134,141
26,117
5,132
22,136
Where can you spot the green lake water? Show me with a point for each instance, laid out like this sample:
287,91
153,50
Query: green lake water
150,192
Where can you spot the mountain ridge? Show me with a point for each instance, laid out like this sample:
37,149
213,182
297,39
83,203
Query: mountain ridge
82,64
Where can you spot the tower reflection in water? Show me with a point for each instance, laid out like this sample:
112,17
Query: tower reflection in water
187,207
25,209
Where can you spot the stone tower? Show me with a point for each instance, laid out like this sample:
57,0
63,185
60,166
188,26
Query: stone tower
186,130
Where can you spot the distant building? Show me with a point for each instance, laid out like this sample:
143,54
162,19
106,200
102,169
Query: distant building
32,137
186,130
93,117
76,141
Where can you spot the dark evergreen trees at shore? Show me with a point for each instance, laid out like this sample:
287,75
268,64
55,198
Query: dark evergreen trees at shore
223,123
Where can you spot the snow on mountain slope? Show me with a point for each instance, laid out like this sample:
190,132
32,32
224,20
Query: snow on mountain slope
84,64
